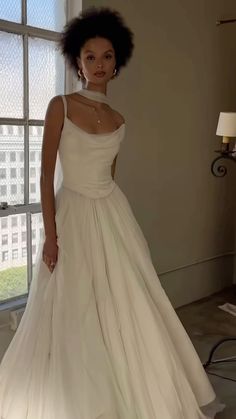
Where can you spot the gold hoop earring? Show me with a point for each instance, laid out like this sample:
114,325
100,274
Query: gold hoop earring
80,73
114,73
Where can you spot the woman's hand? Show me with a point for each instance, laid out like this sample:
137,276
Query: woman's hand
50,253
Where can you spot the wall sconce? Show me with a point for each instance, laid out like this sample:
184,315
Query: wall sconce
227,129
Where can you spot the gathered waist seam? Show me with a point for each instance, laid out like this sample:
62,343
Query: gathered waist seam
83,193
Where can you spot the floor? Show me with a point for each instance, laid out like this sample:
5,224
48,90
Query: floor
205,324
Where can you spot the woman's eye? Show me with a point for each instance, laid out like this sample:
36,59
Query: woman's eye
90,57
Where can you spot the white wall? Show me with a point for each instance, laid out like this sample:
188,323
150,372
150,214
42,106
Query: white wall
181,76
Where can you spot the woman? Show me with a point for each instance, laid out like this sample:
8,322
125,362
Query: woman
99,338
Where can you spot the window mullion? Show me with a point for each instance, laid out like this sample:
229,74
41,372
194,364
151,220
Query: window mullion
26,116
18,28
26,149
24,12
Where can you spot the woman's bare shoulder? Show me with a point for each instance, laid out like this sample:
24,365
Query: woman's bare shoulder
119,118
55,103
55,112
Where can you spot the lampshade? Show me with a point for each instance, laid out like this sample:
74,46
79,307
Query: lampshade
227,124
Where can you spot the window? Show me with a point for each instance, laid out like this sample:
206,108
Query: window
2,156
14,221
24,252
12,156
3,190
32,72
14,253
39,131
4,222
4,256
32,156
3,173
32,187
13,172
4,239
13,189
30,130
14,238
32,171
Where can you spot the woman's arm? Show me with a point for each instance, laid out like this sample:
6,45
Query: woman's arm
52,132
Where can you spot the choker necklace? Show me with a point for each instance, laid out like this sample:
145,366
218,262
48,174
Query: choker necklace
94,95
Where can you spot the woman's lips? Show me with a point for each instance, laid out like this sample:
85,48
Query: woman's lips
100,73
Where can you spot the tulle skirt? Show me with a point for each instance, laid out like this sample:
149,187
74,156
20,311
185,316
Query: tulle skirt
99,338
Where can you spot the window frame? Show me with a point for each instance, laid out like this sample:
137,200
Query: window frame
27,208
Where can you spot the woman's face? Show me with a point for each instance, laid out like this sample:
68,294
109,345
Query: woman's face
97,55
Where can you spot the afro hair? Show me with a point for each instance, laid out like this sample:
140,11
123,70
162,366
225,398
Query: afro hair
96,22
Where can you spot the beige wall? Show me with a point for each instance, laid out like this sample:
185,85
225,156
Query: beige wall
182,74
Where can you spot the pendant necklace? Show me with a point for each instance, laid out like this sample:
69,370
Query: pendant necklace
96,96
98,120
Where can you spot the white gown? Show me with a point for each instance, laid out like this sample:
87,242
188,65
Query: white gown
99,338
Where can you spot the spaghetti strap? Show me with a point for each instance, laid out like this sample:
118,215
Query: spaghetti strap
65,105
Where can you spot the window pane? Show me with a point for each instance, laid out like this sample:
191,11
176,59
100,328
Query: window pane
14,238
12,167
46,75
13,273
11,80
4,239
46,14
14,253
11,10
37,227
3,173
35,145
